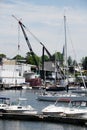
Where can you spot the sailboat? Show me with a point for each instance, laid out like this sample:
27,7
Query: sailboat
70,95
68,78
63,82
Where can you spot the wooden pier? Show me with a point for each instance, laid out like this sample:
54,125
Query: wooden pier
44,118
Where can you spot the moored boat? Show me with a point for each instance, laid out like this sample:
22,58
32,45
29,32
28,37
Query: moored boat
4,103
20,107
55,109
73,108
77,108
55,96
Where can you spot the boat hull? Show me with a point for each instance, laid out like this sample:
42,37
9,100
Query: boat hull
61,97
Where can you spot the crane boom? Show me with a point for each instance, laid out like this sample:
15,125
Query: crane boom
27,40
50,56
28,43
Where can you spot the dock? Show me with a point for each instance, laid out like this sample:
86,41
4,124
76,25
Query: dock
44,118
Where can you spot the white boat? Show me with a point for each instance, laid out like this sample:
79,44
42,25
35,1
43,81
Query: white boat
74,108
45,96
4,103
20,107
80,90
77,109
57,108
26,86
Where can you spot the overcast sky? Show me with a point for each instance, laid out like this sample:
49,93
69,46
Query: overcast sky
45,19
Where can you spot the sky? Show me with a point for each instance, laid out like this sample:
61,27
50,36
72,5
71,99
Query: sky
45,19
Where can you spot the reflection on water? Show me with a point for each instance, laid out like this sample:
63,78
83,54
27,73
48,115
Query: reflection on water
28,125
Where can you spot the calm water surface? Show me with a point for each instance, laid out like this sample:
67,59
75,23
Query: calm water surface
39,105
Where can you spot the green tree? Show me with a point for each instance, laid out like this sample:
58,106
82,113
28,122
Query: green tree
59,57
46,58
31,59
74,63
18,57
2,56
84,63
69,61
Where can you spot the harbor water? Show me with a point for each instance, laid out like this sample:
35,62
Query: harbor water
31,95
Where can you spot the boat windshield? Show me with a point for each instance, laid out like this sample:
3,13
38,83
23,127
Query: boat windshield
4,100
20,101
80,104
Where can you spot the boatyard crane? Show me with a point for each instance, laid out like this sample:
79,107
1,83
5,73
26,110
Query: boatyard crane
44,49
49,54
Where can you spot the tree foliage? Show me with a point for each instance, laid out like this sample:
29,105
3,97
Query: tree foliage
46,58
2,56
30,59
69,61
18,57
84,63
75,63
58,57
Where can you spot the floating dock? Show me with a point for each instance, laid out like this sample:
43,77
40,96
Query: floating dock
44,118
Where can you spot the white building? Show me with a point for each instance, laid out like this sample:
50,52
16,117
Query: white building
12,73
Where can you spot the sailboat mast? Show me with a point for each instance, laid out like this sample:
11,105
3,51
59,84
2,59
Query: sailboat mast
65,58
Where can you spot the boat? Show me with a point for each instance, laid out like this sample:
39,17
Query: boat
20,106
64,80
80,90
26,86
46,96
68,78
4,102
77,108
62,86
57,108
73,108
